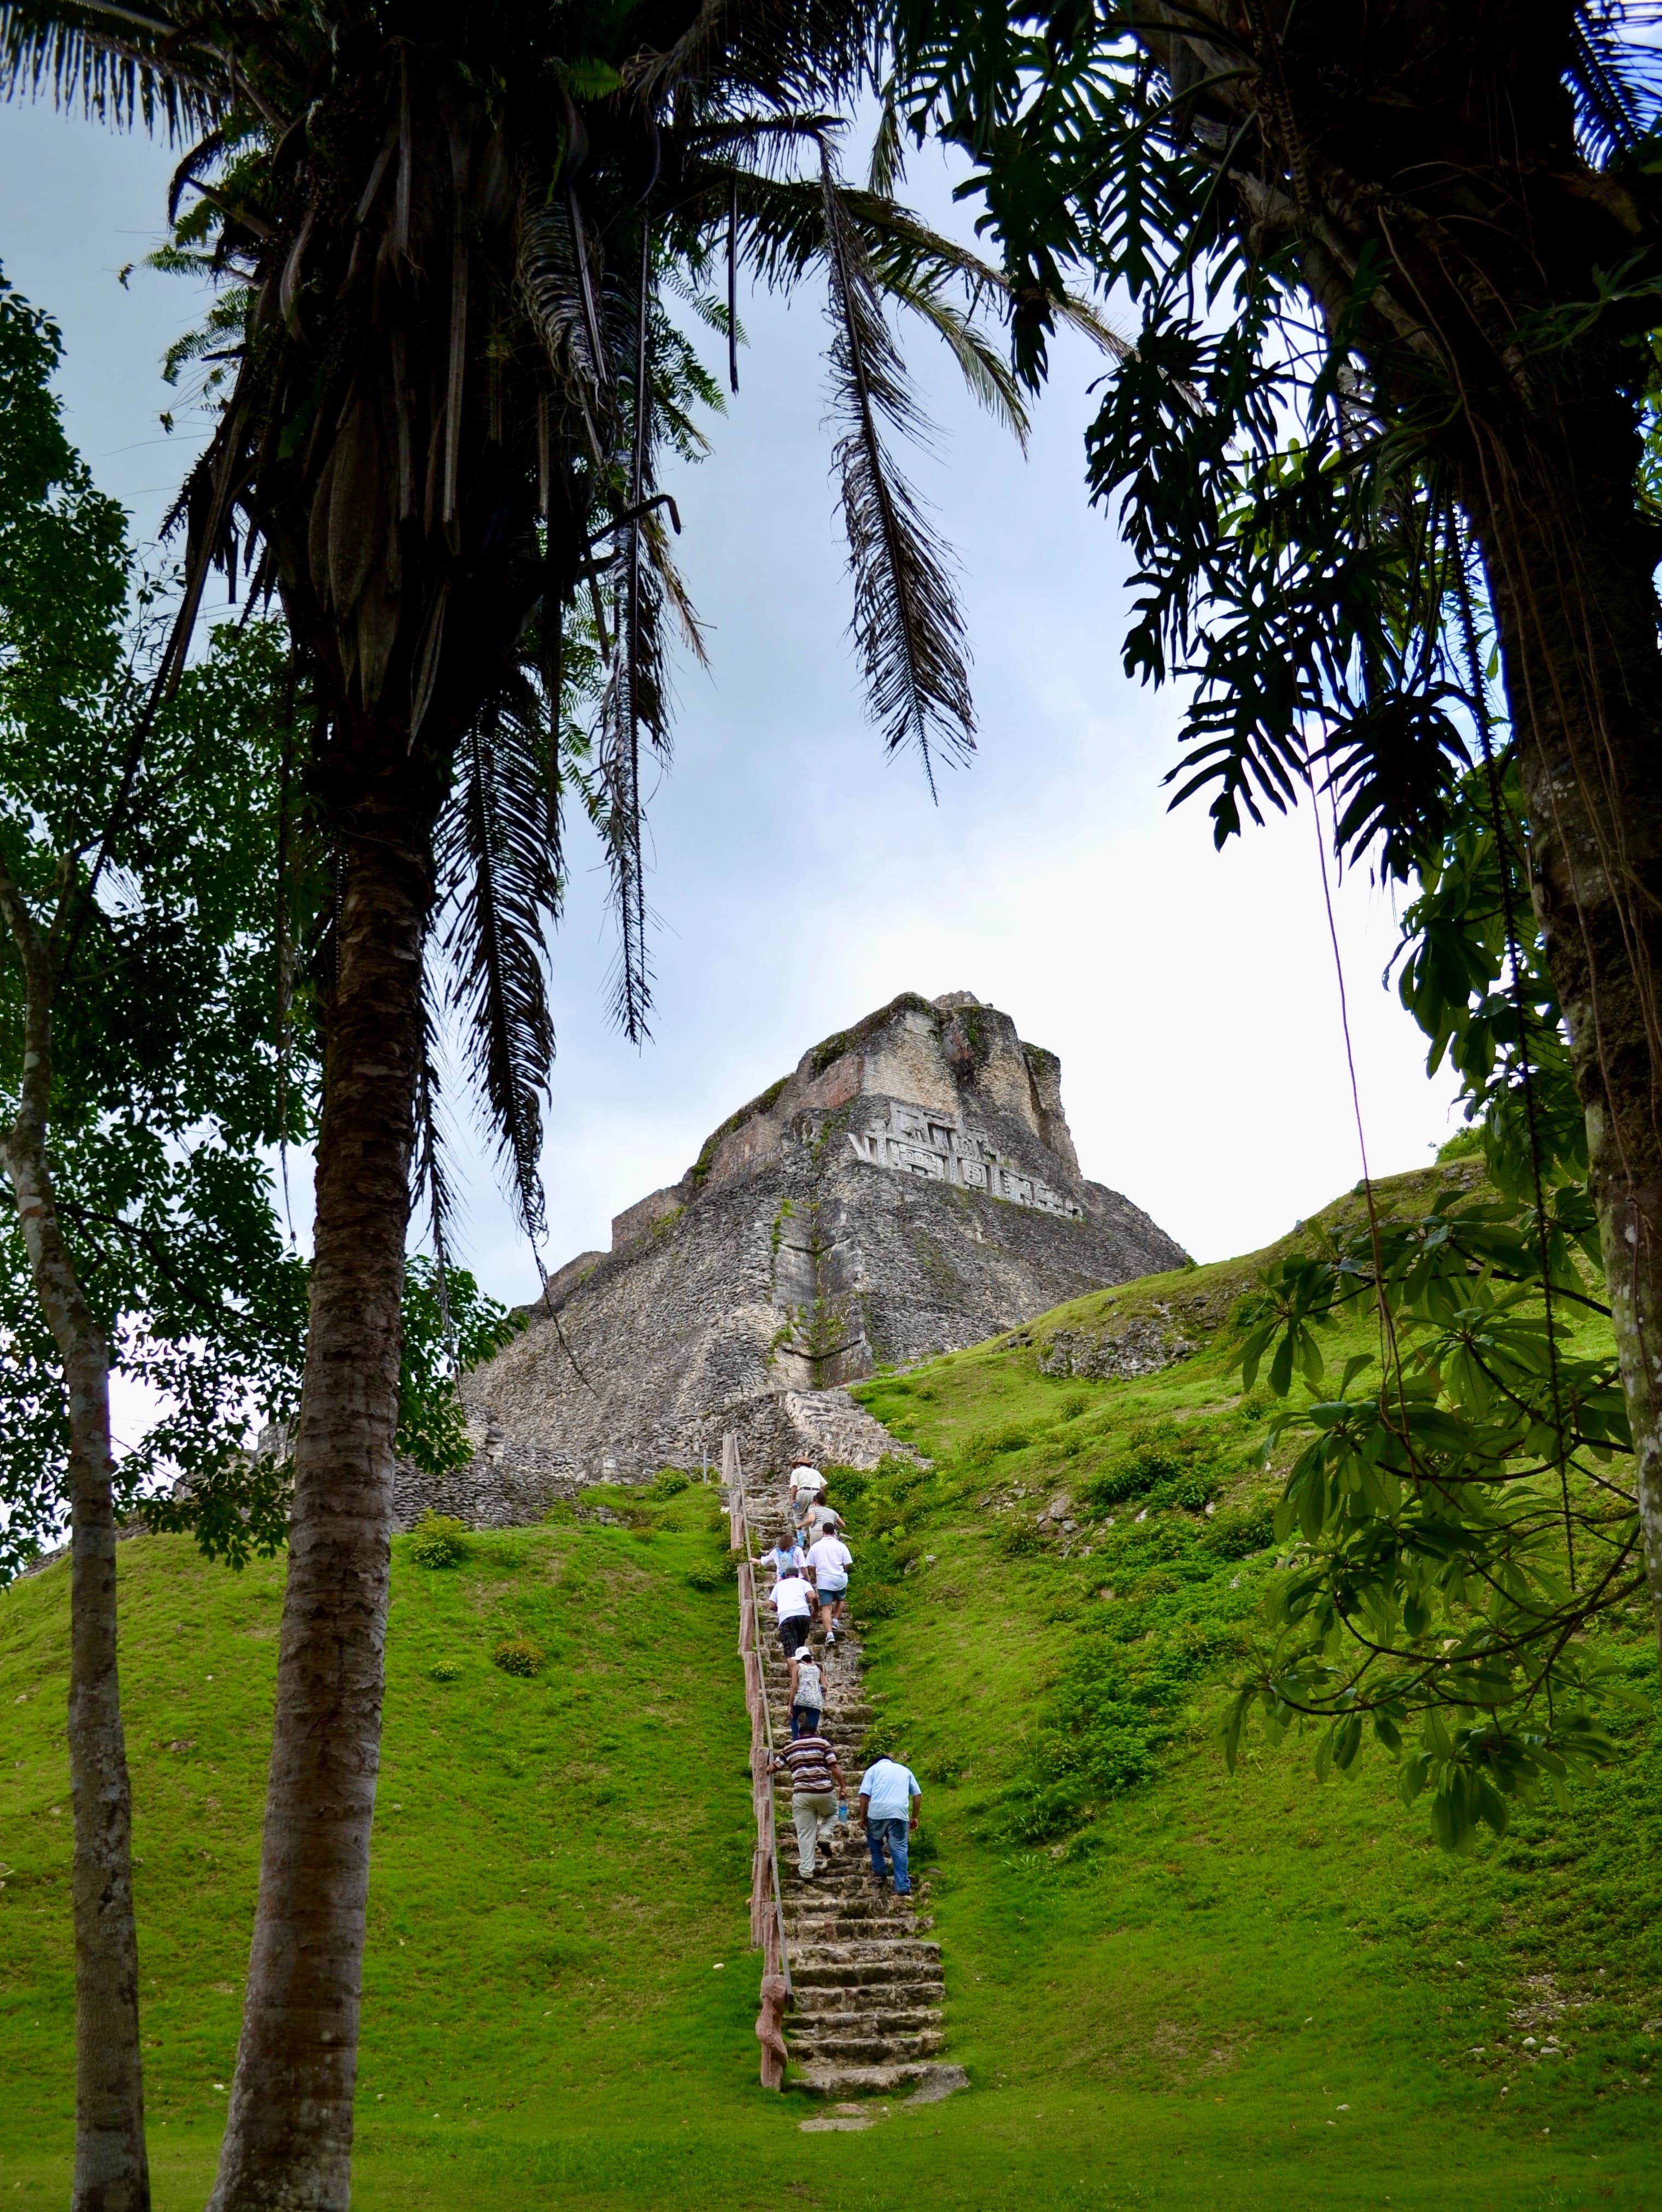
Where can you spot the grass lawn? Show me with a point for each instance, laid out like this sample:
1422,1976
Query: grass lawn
1171,1987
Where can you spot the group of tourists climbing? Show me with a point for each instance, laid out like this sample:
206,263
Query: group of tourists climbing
810,1567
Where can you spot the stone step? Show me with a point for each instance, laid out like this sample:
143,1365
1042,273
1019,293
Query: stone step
840,1713
857,1895
822,1897
884,2019
837,1728
891,1999
826,1926
820,2080
846,1974
843,1872
867,2049
820,1928
847,1901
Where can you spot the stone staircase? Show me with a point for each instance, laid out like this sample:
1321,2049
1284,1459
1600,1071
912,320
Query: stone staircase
867,1982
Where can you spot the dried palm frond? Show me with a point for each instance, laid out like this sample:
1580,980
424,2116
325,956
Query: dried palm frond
906,624
498,848
429,1174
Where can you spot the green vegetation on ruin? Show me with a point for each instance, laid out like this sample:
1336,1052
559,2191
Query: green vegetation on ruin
1172,1988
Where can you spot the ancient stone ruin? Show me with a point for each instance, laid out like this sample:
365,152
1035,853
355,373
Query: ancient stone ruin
911,1189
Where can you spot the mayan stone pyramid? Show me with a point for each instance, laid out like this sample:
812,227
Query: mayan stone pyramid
911,1189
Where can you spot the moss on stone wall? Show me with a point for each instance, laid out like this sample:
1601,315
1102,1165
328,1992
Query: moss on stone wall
763,1101
831,1049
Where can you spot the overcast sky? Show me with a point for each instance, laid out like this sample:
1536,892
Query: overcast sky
800,880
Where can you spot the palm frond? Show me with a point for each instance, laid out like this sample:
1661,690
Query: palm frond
676,596
791,53
887,166
121,64
553,284
906,622
990,380
430,1176
1083,315
1614,73
499,864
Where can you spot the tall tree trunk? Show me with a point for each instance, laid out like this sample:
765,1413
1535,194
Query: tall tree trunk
1570,565
288,2141
111,2173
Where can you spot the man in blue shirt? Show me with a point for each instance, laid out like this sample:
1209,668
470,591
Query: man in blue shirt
889,1798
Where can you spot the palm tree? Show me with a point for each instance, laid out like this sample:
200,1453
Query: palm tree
453,377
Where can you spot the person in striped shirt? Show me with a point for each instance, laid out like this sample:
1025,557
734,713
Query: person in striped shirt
815,1779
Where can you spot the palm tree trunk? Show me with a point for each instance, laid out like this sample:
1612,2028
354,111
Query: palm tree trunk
289,2140
111,2173
1570,564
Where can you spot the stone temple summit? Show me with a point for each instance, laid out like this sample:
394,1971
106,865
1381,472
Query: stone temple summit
911,1189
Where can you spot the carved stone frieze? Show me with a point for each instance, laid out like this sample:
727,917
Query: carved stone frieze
914,1140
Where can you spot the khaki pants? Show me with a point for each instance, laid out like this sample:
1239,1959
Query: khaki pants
814,1816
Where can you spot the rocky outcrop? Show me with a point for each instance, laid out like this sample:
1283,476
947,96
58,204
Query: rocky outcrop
910,1190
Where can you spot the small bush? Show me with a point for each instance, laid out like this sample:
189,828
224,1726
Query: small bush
1238,1535
445,1670
880,1741
845,1486
519,1655
1193,1492
713,1575
991,1441
668,1482
1133,1475
878,1605
1018,1538
437,1541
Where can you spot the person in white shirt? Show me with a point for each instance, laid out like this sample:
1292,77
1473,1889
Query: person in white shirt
807,1484
829,1561
792,1601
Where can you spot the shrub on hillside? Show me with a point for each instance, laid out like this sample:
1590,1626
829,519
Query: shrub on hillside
1133,1475
877,1604
711,1575
1193,1491
668,1482
520,1656
1237,1534
437,1541
1171,1463
846,1484
445,1670
1018,1538
989,1443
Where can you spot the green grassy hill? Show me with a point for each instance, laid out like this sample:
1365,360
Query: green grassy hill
1172,1988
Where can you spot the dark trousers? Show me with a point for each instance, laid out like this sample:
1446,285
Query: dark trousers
893,1833
804,1720
793,1634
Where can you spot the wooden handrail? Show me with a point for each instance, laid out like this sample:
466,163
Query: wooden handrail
767,1927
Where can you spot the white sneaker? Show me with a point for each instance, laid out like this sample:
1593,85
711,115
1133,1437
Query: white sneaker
830,1635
